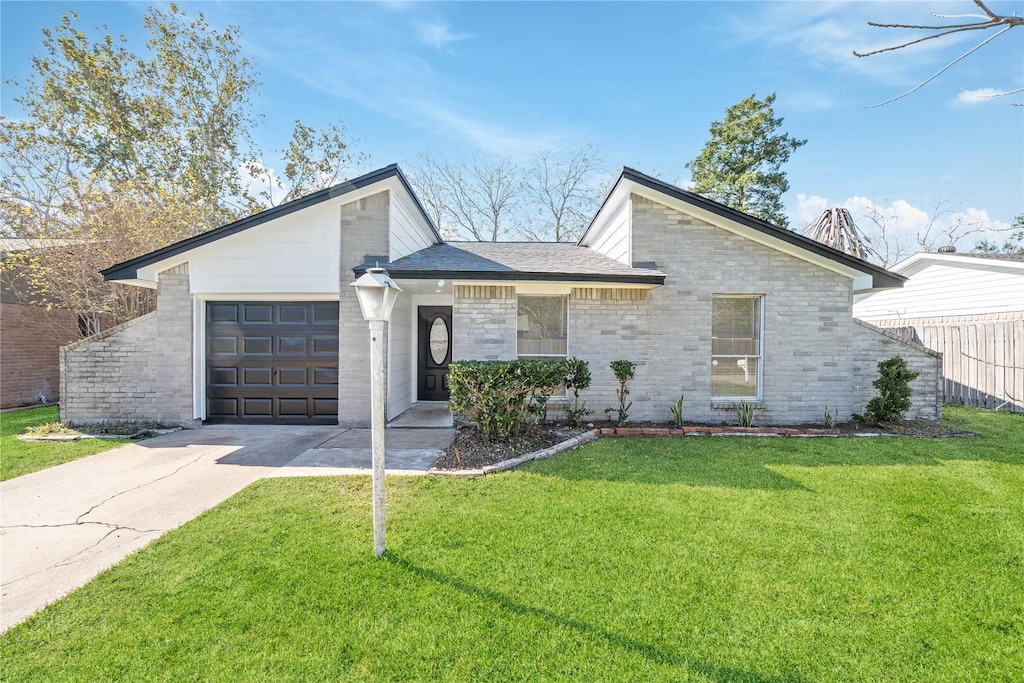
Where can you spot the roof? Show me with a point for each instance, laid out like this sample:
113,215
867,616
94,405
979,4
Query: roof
546,261
1001,262
128,270
996,257
880,276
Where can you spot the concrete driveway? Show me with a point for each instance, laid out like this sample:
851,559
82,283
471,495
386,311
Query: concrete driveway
62,526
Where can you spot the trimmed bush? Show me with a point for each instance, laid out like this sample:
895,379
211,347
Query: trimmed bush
577,376
893,384
503,395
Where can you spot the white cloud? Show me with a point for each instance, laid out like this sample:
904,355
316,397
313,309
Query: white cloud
437,34
979,96
827,34
808,208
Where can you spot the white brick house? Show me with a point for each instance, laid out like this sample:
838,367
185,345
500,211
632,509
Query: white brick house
256,322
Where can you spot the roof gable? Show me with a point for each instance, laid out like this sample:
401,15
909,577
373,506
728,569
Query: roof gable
129,270
866,275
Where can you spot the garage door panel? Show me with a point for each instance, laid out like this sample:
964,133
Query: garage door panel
272,362
292,346
325,376
257,313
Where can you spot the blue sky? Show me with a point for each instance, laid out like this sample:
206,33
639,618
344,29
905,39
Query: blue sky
642,81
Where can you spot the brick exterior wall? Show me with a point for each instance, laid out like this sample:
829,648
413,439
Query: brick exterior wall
364,231
139,371
30,352
484,323
814,351
606,325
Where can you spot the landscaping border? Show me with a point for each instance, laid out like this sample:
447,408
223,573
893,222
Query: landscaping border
594,434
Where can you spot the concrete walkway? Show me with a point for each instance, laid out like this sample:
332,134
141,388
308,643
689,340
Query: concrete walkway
62,526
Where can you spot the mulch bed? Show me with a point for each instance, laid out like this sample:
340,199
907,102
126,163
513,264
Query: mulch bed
469,451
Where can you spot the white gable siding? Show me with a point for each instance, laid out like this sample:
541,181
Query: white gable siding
936,289
296,254
612,238
407,236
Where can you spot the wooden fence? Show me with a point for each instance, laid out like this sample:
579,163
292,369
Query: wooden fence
982,355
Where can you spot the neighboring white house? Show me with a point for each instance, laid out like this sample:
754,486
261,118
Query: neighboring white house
969,307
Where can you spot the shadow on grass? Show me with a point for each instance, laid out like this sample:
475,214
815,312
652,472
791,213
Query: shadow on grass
649,652
748,463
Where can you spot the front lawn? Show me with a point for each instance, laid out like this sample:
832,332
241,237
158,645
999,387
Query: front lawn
21,457
695,559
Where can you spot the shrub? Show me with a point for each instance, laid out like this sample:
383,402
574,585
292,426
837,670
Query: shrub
577,376
677,411
893,385
830,419
503,395
745,414
624,371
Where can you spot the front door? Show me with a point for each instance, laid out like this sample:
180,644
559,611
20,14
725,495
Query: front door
435,352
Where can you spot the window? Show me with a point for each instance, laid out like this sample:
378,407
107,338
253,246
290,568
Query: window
541,326
736,347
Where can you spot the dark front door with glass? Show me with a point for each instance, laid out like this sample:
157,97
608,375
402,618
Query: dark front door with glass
435,352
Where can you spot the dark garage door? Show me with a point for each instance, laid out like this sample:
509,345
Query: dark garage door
272,362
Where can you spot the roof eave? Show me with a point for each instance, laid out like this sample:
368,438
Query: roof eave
129,270
654,279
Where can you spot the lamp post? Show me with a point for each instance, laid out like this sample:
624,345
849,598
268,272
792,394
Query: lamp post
377,293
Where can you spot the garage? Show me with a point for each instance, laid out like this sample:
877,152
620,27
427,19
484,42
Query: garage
272,362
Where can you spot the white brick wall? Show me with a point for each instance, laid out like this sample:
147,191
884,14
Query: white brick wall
140,371
484,323
814,351
364,231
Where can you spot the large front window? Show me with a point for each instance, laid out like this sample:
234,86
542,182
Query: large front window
736,350
541,326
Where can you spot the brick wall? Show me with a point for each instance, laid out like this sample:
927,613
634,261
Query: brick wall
484,323
139,371
364,231
30,352
606,325
814,351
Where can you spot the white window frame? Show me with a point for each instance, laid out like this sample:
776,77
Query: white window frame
759,377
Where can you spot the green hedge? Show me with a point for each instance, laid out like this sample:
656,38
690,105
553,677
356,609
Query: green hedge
502,396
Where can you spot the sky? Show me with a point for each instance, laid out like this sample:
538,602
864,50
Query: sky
641,81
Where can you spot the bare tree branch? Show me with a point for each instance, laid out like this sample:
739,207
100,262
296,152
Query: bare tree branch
943,69
989,20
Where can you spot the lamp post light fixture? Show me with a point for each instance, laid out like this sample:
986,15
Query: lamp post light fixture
377,293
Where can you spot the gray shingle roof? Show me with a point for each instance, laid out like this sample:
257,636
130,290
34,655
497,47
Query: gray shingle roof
998,257
550,261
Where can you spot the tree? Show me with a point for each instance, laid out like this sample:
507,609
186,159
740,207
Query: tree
741,165
478,200
1014,244
890,241
120,153
987,20
562,186
314,160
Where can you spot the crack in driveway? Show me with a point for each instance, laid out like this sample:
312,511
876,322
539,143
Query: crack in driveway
135,488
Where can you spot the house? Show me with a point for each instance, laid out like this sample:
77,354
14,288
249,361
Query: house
969,307
31,335
256,321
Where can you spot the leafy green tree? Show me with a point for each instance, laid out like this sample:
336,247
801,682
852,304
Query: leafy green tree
741,165
121,152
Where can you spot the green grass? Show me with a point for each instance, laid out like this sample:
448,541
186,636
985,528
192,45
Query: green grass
21,457
696,559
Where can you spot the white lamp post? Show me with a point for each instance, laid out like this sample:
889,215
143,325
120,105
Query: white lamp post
377,293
